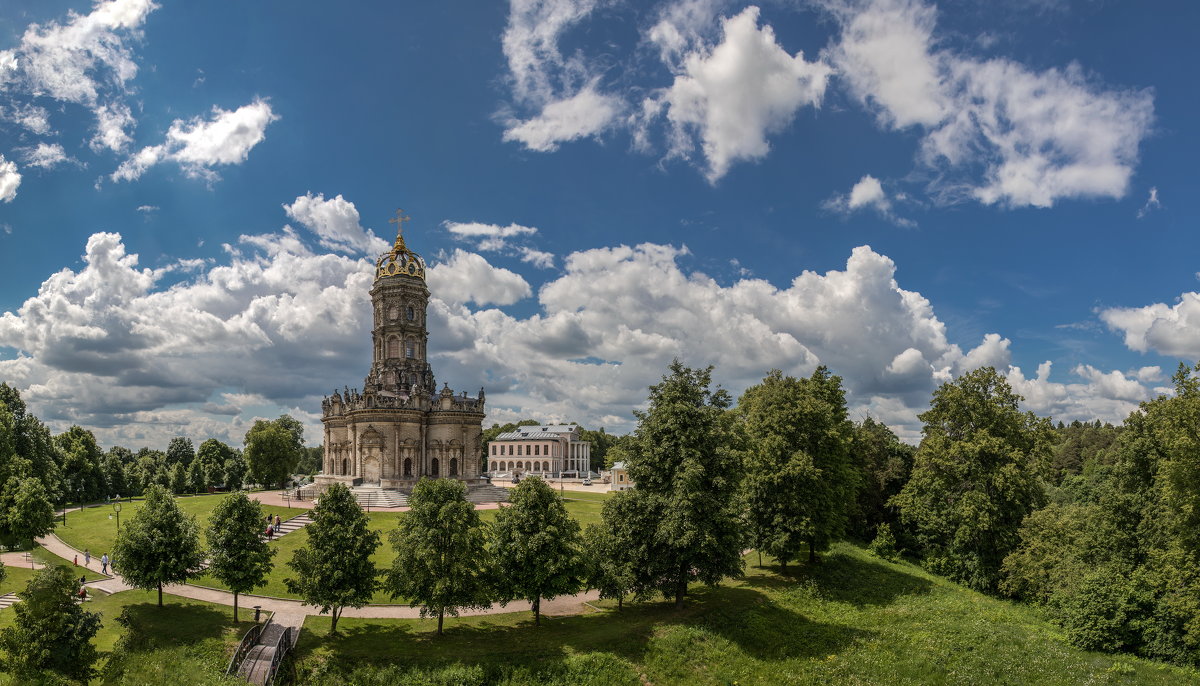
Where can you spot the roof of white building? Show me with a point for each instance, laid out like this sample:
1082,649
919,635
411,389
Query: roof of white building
619,465
540,432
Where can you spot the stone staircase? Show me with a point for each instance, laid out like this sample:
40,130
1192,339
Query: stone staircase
374,496
297,522
487,494
7,601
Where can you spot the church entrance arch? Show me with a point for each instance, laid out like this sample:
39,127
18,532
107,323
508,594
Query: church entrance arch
371,469
433,467
408,468
345,466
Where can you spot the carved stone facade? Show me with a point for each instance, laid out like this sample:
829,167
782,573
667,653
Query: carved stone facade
400,428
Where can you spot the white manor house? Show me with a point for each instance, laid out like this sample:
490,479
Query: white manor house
555,449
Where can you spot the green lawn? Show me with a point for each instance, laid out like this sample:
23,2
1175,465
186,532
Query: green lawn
586,512
852,619
184,642
15,579
92,529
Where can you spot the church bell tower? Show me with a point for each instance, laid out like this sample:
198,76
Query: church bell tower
400,336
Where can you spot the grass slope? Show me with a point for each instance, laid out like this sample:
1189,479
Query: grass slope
585,512
184,642
852,619
91,528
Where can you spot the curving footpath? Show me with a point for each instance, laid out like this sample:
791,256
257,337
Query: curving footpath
293,612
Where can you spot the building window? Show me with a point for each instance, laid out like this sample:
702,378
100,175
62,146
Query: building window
393,347
410,350
545,466
408,468
433,467
412,314
454,466
537,450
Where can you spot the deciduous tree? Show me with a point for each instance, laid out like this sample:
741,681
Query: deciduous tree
441,559
180,451
536,547
273,449
334,571
158,545
975,477
687,477
800,482
50,631
25,512
238,555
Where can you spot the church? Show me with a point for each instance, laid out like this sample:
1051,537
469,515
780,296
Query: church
400,427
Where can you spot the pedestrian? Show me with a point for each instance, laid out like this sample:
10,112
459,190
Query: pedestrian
77,560
87,557
270,531
277,522
104,563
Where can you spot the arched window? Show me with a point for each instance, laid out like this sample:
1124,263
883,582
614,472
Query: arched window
345,466
433,467
412,314
545,466
408,468
454,466
393,347
410,349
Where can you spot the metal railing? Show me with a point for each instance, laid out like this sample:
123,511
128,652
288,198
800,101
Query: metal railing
282,645
248,642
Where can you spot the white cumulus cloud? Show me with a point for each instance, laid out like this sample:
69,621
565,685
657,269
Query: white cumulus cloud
727,98
198,145
336,224
45,155
1038,136
10,180
467,277
867,193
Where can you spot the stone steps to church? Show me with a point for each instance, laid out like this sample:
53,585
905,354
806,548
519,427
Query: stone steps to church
487,494
7,601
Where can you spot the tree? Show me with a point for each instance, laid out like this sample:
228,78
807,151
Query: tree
158,545
441,559
180,451
179,479
50,631
800,482
975,477
884,465
238,555
608,562
32,450
687,477
26,512
214,454
197,477
536,547
115,463
235,472
81,464
334,571
273,449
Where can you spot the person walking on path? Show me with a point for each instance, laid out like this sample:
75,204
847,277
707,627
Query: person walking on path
277,522
87,557
77,560
104,563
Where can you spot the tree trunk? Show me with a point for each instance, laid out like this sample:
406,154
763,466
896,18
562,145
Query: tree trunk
681,585
783,564
620,601
160,594
333,614
441,613
537,611
235,619
760,558
812,550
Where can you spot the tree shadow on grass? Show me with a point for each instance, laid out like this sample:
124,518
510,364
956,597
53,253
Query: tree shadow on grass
845,579
149,626
747,618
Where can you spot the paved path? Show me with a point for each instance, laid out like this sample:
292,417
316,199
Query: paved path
292,612
276,498
17,559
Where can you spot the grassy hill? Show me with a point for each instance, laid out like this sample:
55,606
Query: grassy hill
852,619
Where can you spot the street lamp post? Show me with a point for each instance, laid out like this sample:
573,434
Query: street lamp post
117,510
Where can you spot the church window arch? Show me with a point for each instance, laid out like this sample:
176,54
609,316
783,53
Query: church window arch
454,466
410,349
433,467
345,466
412,314
393,347
408,467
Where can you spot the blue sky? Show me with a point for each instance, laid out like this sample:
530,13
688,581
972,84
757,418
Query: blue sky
901,190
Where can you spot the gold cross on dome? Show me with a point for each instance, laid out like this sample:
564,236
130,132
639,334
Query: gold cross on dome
399,220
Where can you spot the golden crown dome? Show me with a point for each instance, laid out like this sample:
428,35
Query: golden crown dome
400,261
